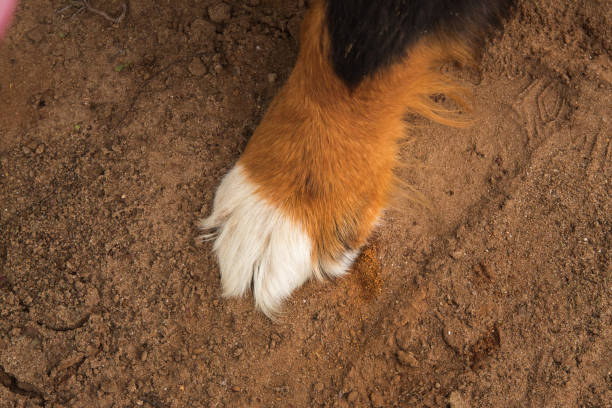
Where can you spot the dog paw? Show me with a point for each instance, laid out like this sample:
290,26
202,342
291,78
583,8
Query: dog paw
260,247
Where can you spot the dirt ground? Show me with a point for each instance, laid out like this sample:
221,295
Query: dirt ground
114,136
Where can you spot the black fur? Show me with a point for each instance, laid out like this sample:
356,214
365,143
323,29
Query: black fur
367,35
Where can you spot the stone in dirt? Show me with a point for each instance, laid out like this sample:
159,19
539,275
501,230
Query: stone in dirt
219,13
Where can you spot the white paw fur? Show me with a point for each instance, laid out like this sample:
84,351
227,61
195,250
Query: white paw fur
259,247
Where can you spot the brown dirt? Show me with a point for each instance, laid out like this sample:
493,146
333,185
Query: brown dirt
114,137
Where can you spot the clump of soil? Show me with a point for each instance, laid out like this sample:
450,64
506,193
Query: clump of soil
367,270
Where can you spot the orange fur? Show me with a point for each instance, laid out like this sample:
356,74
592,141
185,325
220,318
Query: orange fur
324,154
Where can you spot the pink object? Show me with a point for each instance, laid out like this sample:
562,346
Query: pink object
7,8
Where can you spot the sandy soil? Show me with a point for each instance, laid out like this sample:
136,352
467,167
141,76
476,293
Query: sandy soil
113,138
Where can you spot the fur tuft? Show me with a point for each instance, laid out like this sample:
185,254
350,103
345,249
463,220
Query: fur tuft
368,36
259,247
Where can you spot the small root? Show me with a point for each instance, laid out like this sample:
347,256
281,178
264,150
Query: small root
83,5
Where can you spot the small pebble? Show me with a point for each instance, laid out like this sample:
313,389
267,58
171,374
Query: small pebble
342,404
219,12
458,254
202,29
404,337
36,35
407,358
377,399
352,396
456,400
196,67
455,334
